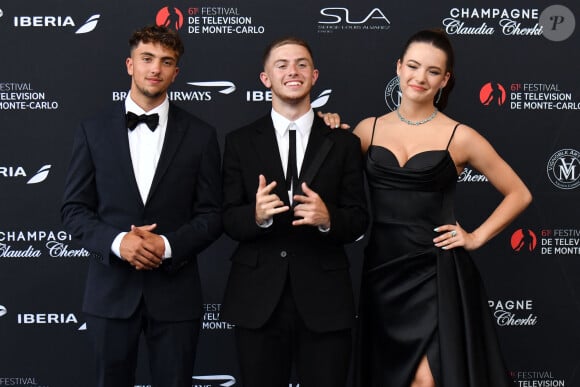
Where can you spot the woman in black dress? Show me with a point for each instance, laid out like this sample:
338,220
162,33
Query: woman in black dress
424,314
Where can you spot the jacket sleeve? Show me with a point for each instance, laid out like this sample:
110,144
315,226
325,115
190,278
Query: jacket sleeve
349,215
80,203
205,225
239,217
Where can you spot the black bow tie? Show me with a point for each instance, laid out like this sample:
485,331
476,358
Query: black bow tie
133,120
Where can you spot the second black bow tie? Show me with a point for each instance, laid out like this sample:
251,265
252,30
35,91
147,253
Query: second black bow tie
132,119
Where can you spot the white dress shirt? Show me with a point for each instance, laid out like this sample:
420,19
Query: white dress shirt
145,146
303,127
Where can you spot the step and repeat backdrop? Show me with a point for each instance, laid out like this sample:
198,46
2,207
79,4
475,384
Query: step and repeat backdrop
517,83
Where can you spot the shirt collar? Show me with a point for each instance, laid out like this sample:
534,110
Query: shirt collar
304,123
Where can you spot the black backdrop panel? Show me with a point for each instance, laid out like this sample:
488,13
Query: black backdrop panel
517,84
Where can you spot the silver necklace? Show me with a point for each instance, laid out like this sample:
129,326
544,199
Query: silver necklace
409,122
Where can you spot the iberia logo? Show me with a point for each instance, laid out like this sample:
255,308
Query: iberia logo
170,17
492,93
524,240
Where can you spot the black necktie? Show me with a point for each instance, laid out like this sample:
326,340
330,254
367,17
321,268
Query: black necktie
292,169
133,120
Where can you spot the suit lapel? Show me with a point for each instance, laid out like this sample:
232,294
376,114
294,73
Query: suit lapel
173,136
120,148
316,151
266,148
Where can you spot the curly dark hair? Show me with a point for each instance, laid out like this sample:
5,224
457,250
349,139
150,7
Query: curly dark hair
167,37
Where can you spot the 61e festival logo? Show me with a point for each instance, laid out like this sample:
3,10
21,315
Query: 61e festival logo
557,241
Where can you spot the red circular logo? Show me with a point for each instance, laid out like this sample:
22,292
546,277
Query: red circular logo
524,240
170,17
492,93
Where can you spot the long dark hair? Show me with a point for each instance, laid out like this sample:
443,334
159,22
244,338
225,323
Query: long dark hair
438,38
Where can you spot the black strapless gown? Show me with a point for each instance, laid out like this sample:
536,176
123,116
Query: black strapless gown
417,299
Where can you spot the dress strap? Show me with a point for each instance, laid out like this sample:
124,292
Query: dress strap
373,133
452,134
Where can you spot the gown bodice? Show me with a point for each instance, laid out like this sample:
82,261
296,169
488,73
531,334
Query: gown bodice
408,201
422,190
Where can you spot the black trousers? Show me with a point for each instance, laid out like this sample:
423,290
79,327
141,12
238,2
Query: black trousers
266,355
171,347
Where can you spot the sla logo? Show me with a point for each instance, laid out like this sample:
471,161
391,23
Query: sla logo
338,15
38,177
564,169
524,240
492,93
56,21
170,17
3,311
335,19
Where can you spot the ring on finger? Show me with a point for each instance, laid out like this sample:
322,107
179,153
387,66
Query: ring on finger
453,233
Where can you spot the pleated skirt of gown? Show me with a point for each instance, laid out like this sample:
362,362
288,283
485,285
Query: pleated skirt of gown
427,301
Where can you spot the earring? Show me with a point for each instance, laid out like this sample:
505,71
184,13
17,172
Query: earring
439,95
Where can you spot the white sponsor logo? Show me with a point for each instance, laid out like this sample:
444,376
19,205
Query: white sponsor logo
21,96
40,175
220,380
19,381
51,21
211,318
46,318
505,312
55,243
555,23
322,99
89,25
541,96
266,96
536,379
468,175
334,19
227,87
564,169
204,95
221,20
560,241
6,251
393,94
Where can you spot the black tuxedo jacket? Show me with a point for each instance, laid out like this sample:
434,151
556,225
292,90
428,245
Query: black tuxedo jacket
101,200
315,262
